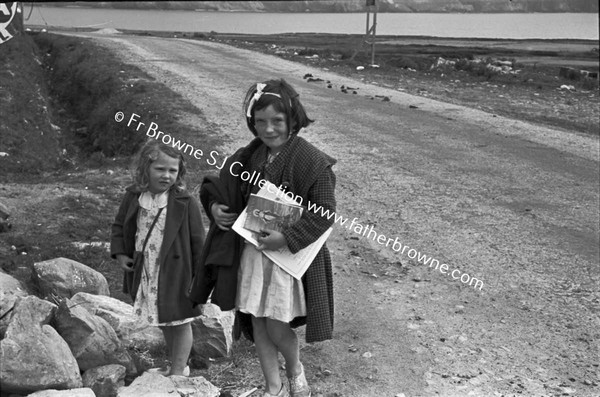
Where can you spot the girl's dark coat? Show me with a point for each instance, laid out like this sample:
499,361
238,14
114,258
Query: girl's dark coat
179,253
303,170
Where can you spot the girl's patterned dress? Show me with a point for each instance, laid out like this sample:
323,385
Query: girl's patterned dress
146,301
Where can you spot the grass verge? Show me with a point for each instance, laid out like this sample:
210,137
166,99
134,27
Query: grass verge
26,126
93,85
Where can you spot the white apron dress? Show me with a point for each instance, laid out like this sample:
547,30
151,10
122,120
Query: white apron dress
266,290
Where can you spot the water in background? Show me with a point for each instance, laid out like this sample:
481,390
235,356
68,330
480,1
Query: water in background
504,26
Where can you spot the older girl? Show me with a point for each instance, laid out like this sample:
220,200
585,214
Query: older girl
275,301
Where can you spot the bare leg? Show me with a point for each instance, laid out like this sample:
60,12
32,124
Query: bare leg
179,344
286,341
168,335
267,355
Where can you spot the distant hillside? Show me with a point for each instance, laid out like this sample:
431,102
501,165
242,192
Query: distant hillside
358,5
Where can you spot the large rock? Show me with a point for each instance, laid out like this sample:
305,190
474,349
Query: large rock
117,313
146,338
92,340
65,277
149,385
129,328
155,385
194,387
11,290
105,381
79,392
213,333
34,356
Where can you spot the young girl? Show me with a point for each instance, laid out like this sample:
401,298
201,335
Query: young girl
275,301
159,218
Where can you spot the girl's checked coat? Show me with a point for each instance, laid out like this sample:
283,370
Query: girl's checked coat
305,171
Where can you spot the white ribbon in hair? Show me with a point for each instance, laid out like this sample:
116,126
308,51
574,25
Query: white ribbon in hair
259,92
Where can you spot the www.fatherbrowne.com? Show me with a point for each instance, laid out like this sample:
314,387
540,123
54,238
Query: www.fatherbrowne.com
396,245
254,178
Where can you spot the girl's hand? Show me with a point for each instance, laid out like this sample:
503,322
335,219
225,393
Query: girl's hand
125,262
271,240
223,219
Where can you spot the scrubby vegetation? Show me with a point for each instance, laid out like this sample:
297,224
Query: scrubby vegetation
25,107
93,85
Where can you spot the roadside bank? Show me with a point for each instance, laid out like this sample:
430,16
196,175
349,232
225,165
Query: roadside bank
28,127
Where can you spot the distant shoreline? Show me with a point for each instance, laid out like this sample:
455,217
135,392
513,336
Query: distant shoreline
474,25
380,38
91,7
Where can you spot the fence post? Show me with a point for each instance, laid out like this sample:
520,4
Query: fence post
372,29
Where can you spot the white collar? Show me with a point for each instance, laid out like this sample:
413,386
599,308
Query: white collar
151,201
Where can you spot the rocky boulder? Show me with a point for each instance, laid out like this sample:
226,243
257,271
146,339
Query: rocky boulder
117,313
80,392
105,381
194,387
129,328
11,290
65,277
149,385
34,356
92,340
213,333
156,385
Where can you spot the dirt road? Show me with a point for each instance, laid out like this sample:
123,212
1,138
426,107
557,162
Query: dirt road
511,204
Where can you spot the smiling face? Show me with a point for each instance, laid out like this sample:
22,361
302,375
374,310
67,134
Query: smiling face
271,127
162,173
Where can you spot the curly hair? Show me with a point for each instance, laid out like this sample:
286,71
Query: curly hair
149,153
286,100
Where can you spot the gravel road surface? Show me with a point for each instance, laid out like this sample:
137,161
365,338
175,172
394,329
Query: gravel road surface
508,203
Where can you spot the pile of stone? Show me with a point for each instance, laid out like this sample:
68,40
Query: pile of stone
491,64
72,339
499,66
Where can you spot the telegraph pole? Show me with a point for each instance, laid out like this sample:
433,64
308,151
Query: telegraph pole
371,29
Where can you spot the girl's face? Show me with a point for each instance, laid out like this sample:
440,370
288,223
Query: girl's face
162,173
271,127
